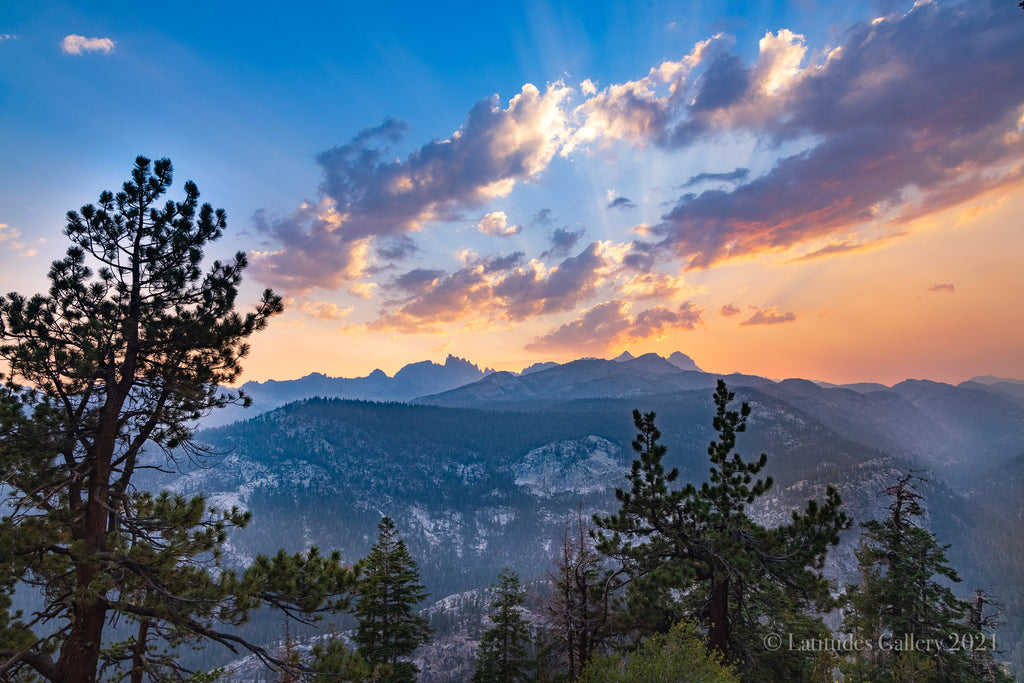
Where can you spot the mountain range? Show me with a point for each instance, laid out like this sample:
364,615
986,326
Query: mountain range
482,470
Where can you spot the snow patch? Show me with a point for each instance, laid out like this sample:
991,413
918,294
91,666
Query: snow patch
577,466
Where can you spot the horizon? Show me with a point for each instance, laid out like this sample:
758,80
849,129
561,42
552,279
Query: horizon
486,368
824,191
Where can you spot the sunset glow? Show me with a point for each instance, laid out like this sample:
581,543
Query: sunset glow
833,193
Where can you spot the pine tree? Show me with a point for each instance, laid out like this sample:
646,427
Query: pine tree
129,347
502,654
389,590
333,662
735,571
903,594
681,654
984,622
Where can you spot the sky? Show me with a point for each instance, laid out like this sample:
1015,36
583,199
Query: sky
808,189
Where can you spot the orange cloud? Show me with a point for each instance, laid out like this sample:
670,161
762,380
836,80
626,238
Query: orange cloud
946,287
609,324
769,316
728,311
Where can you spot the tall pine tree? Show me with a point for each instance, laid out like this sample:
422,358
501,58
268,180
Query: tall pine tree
389,629
502,655
903,593
738,573
129,346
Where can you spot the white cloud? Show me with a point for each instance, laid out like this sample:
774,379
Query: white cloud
75,45
11,238
496,223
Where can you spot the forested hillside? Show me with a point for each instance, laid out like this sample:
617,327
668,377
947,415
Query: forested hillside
475,490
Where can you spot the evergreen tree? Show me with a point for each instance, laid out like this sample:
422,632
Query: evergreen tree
703,541
681,654
502,654
335,663
903,594
129,347
389,590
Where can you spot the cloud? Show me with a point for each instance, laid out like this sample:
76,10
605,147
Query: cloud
11,238
495,288
7,36
725,82
652,286
322,310
945,287
496,223
901,117
396,247
363,290
621,203
9,234
847,247
75,45
738,175
563,241
638,112
728,310
769,316
542,217
595,330
910,115
416,280
709,91
658,321
316,257
376,196
609,324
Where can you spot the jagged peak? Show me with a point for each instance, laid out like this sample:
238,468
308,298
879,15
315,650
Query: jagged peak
453,360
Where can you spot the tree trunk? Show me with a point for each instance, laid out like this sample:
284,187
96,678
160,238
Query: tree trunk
80,652
718,634
139,654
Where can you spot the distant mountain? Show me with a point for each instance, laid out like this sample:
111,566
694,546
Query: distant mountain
989,379
1008,389
958,430
981,429
683,362
963,430
427,379
859,387
586,378
537,367
415,379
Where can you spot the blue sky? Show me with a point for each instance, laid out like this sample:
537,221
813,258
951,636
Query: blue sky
794,189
